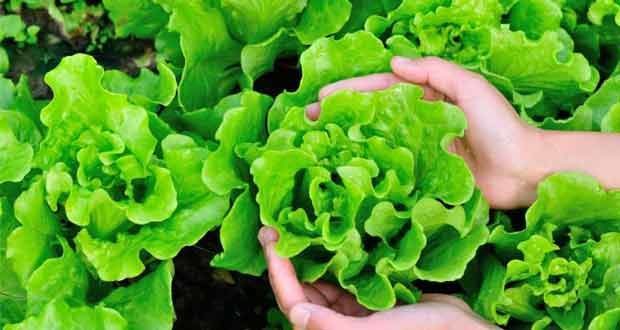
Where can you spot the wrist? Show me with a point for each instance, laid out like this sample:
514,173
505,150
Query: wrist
536,164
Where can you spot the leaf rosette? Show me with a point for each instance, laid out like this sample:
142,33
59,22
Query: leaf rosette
369,196
562,269
103,179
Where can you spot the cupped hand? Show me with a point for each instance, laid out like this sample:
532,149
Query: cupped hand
322,306
496,144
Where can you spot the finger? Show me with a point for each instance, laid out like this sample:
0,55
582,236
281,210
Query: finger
314,296
483,105
369,83
427,316
307,316
348,305
461,86
313,111
431,94
447,299
445,77
339,300
329,291
284,282
362,84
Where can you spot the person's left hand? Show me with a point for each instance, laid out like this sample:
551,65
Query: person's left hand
322,306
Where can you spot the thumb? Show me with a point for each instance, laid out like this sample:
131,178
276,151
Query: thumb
446,77
464,88
306,316
484,106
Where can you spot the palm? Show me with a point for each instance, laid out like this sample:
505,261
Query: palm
440,311
330,296
496,165
322,306
338,300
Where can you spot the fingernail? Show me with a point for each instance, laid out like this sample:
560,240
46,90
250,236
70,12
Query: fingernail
266,235
399,60
300,316
313,111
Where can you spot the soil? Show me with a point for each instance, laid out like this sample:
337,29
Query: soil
211,299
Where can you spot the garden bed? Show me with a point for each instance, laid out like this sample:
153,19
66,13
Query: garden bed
143,143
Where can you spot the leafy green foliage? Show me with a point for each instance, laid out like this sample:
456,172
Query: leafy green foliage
105,181
139,18
563,267
357,173
327,61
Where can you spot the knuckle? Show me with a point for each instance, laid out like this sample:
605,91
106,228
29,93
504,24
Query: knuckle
387,79
435,61
476,78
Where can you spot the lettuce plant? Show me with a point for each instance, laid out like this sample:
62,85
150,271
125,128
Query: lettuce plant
369,195
562,269
221,44
103,183
545,56
94,192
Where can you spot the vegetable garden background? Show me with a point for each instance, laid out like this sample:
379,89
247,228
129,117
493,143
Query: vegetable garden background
143,143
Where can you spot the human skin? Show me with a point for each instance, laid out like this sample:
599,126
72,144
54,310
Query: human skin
508,158
322,306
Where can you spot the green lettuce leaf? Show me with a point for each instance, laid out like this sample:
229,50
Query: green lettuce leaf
611,121
599,9
459,12
18,139
243,124
322,18
139,18
328,186
12,295
259,58
12,26
362,10
606,321
147,89
548,79
80,103
121,259
60,315
596,113
327,61
7,93
20,130
108,142
561,270
4,61
38,230
146,304
410,8
199,212
548,66
565,199
63,278
535,17
255,21
211,54
185,158
238,234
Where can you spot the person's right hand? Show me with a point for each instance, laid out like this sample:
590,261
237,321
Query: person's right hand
496,143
